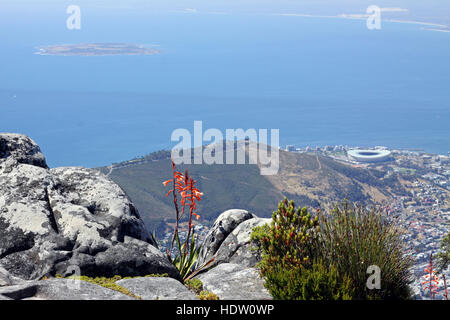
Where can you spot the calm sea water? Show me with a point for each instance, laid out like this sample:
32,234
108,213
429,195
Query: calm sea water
320,81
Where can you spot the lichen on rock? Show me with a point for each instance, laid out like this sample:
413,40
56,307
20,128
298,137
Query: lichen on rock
68,219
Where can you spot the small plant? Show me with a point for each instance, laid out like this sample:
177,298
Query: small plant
195,285
258,233
207,295
431,279
187,252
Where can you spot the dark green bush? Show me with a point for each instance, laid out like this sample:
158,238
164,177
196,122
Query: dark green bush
327,257
353,238
315,283
289,247
290,239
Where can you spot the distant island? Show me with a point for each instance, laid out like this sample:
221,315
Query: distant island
96,49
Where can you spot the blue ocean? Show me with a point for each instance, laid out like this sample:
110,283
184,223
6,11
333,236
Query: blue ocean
321,81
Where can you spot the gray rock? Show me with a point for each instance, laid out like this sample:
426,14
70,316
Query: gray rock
64,289
157,288
231,276
223,226
18,292
133,257
234,282
237,248
22,149
61,289
6,279
68,219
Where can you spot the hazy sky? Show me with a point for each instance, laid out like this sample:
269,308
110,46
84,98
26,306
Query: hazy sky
325,5
424,10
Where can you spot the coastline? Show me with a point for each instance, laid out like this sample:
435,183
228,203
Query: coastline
438,27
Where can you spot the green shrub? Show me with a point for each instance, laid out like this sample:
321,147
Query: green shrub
289,247
353,238
315,283
327,257
258,233
290,240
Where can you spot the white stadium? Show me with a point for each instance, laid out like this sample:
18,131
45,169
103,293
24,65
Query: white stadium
369,155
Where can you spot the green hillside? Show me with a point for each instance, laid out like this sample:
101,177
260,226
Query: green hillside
308,179
224,186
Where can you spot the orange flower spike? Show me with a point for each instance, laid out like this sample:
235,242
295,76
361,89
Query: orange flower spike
165,183
178,175
198,195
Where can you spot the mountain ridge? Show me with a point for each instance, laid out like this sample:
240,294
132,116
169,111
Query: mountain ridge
311,180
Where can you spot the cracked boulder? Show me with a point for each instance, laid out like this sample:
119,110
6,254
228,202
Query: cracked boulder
237,247
66,220
223,226
228,241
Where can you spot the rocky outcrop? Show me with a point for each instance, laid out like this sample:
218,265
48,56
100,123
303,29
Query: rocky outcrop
67,220
237,248
228,241
146,288
157,288
223,226
232,274
6,279
60,289
22,149
75,220
231,281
